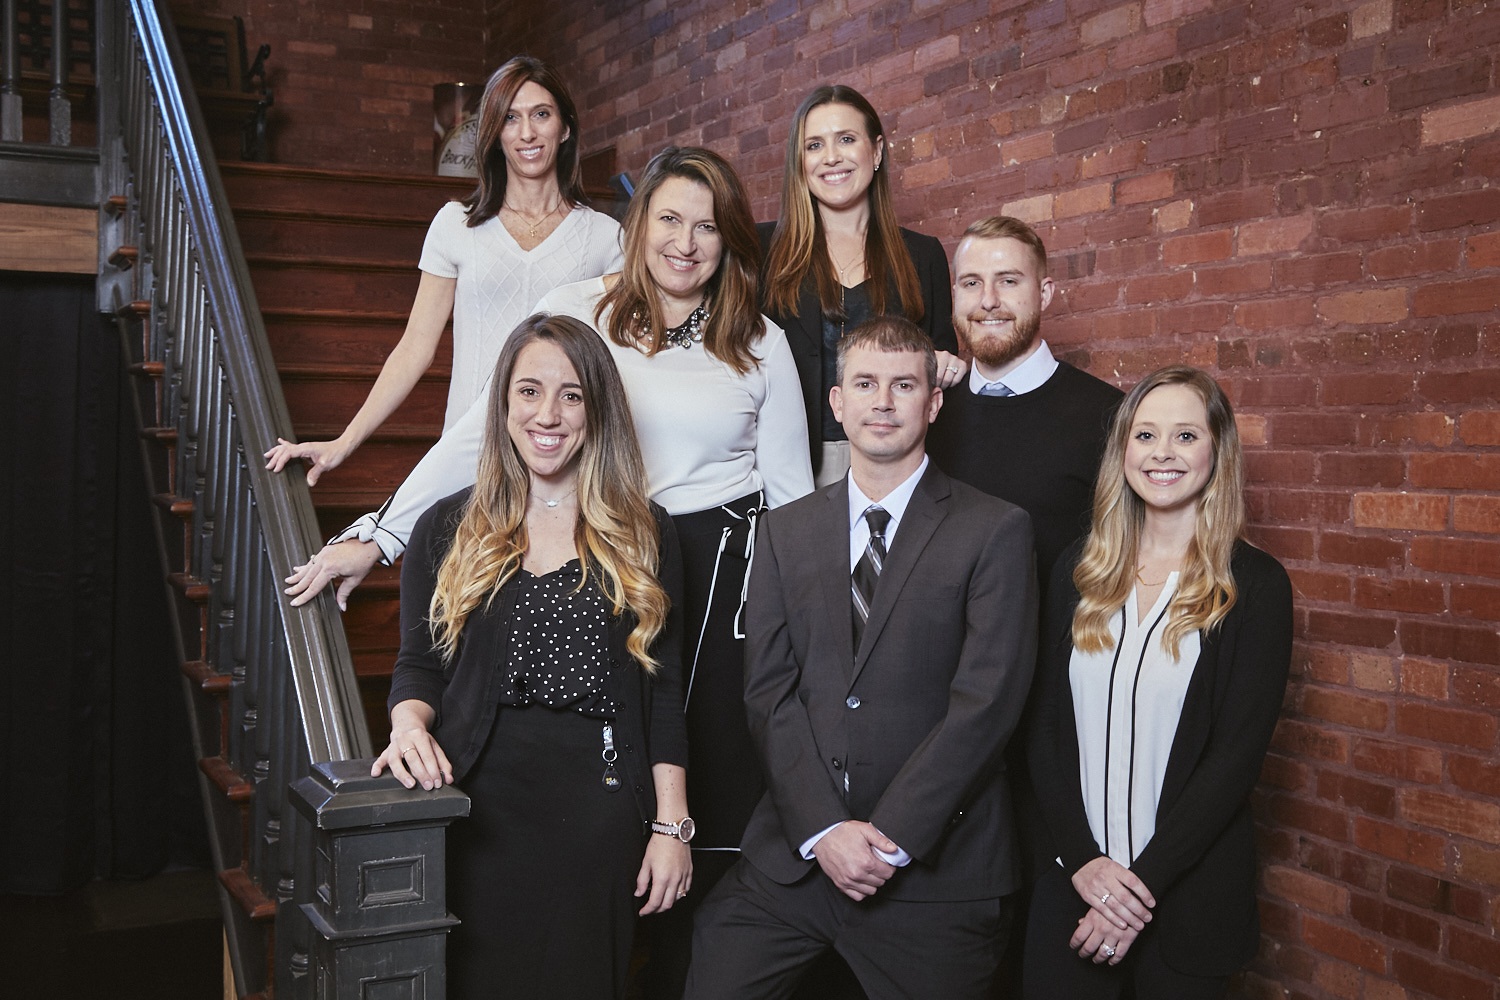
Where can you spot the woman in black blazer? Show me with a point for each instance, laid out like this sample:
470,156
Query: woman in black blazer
540,670
837,257
1167,640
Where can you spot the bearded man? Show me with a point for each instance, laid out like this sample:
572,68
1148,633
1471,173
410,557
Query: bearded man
1026,427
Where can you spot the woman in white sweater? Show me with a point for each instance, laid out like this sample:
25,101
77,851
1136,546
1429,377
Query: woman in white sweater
487,259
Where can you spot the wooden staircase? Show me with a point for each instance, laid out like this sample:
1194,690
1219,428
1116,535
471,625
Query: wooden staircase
333,258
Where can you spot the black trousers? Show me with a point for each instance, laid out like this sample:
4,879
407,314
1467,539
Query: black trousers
754,938
1052,969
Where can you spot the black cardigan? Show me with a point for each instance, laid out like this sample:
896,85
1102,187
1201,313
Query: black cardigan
1200,863
650,727
804,328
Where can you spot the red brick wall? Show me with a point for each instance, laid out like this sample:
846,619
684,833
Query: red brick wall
353,78
1295,195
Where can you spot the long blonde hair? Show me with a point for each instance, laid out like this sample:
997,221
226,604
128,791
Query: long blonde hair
616,531
1107,569
732,296
799,247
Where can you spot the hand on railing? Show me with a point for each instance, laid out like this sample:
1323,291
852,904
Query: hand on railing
347,562
321,455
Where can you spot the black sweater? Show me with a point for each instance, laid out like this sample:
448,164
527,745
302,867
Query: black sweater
1039,450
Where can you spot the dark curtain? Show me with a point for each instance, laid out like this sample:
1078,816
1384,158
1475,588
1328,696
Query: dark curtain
98,780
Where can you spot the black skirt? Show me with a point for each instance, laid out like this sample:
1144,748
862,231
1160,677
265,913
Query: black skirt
542,873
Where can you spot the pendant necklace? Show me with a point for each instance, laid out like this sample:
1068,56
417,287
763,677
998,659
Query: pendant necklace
554,503
532,230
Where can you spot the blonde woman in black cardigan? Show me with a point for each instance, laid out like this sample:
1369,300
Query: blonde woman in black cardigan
540,670
1166,645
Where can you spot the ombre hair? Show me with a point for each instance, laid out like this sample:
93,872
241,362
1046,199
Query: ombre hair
489,153
616,533
799,246
731,294
1107,569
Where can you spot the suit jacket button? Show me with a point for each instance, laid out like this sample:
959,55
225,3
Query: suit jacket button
837,764
852,701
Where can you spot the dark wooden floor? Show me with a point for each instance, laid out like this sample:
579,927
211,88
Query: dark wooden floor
157,938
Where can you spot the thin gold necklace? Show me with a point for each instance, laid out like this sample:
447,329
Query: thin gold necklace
531,231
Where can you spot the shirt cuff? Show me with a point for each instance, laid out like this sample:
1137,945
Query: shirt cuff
898,859
368,529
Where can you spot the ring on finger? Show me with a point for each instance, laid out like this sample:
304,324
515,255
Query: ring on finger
405,751
1109,951
1105,898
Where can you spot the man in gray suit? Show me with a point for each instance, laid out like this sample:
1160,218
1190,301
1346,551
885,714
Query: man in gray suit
892,636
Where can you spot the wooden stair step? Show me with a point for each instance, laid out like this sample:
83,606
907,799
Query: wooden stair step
227,779
372,237
210,681
336,400
243,890
387,432
190,587
125,257
135,309
174,505
340,336
438,374
282,282
150,369
166,435
328,191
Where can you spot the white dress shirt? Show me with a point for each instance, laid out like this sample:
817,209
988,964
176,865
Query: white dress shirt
1030,374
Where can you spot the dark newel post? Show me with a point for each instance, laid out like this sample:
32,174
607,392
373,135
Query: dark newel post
372,888
59,110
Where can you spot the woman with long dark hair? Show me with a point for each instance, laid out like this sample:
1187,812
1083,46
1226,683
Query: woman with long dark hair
1166,645
837,257
539,670
525,229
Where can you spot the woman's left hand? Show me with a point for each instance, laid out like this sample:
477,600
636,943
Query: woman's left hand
950,369
1099,939
666,874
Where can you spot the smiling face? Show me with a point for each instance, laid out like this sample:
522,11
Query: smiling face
839,156
547,414
533,132
1169,456
999,293
885,404
682,243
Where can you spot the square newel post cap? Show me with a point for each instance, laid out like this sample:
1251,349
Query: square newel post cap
341,795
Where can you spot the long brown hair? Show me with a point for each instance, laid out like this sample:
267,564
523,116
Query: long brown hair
799,246
732,294
499,94
1106,571
616,532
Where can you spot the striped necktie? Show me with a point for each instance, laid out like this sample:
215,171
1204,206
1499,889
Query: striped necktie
867,571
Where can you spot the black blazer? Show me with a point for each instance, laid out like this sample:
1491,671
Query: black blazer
919,715
650,728
1200,863
804,328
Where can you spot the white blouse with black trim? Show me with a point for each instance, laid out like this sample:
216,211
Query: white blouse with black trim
1127,701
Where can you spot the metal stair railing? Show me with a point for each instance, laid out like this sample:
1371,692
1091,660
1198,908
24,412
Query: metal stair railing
332,881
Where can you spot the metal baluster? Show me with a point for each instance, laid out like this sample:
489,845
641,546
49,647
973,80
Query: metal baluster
10,76
59,110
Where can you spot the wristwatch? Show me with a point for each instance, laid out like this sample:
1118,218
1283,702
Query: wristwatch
683,829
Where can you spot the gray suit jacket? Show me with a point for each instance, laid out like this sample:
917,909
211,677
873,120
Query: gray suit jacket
919,715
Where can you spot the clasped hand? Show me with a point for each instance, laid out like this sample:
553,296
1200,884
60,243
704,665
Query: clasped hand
847,856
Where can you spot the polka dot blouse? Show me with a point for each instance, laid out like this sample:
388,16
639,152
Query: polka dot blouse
559,647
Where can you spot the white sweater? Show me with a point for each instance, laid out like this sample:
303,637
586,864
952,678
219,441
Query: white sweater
498,283
708,435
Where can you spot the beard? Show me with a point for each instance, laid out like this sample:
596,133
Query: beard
994,350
